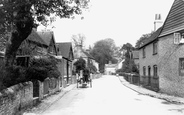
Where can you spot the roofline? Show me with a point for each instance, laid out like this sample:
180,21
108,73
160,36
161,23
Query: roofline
148,43
165,20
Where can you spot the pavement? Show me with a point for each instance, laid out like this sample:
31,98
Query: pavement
50,100
143,91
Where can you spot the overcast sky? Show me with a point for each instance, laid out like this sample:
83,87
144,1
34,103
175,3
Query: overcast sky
122,20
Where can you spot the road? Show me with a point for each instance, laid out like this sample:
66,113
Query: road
109,97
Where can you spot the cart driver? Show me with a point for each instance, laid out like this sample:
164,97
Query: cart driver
86,75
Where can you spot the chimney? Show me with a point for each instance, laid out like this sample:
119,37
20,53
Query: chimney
158,21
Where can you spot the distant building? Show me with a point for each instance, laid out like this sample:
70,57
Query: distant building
81,53
110,68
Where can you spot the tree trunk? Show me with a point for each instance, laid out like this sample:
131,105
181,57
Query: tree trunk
18,35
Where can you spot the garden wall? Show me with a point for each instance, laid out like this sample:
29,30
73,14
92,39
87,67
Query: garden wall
15,98
25,95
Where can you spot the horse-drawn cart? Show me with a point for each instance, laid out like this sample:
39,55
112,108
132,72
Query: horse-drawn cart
84,78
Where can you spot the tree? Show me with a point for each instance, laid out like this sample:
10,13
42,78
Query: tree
142,39
103,52
80,65
78,40
19,17
127,48
128,65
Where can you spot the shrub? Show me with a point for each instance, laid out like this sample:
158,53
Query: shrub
39,69
80,64
42,68
12,75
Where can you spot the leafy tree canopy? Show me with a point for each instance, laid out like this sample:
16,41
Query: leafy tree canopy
142,39
103,52
128,65
127,48
80,65
18,17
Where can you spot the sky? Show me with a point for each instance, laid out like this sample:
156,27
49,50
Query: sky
125,21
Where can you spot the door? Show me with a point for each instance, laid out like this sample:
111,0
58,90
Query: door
149,75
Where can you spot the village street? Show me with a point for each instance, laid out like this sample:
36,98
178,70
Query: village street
109,97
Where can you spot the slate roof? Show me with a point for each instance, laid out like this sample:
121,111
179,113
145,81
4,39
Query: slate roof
175,19
64,48
152,38
34,37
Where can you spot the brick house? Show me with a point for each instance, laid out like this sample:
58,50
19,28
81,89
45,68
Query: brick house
161,57
148,61
66,51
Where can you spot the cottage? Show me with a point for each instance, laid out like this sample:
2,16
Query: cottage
148,61
49,39
65,50
161,57
32,46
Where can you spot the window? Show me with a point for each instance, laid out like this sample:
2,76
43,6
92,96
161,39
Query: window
143,53
177,38
149,71
155,48
181,66
155,70
144,71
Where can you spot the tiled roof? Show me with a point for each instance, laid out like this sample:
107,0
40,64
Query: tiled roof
47,36
175,19
152,38
34,37
88,55
64,48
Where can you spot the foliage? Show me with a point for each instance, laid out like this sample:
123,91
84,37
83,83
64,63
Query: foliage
39,69
12,75
103,52
142,39
80,64
78,39
42,68
19,17
13,11
128,65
